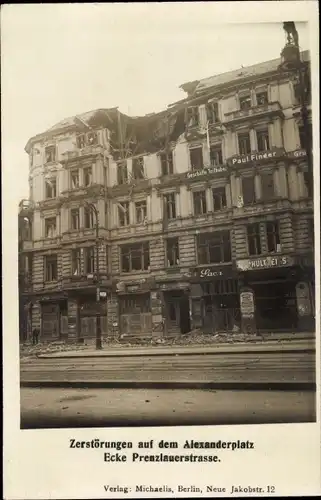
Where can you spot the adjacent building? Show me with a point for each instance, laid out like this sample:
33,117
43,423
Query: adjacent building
205,215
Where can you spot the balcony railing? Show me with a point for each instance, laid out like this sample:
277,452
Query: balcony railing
268,109
86,151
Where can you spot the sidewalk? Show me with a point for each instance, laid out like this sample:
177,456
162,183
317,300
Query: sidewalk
301,345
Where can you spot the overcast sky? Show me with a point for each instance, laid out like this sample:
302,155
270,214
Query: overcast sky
62,60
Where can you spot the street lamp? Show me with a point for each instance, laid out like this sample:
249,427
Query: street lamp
291,61
94,210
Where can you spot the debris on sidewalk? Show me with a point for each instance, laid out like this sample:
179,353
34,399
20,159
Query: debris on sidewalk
31,350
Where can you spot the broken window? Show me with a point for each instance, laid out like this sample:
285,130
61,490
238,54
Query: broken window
212,112
134,257
219,198
74,218
138,168
267,184
244,143
51,227
76,262
273,237
261,98
192,116
254,239
135,304
170,205
263,142
51,187
89,222
89,260
123,213
88,174
74,179
81,141
172,252
304,143
214,248
248,190
199,198
245,103
216,157
50,154
196,156
166,163
51,268
122,173
92,138
141,211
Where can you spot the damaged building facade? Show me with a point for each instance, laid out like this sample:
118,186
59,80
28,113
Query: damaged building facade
205,215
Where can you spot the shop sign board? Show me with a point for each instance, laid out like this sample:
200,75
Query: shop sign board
247,304
264,263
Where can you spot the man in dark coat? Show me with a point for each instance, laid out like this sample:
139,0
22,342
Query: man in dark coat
35,335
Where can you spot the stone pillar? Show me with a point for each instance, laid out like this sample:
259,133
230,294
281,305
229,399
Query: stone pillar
195,306
278,139
253,140
304,307
283,182
277,183
293,183
228,195
113,329
257,187
271,134
74,332
158,312
247,307
209,200
301,185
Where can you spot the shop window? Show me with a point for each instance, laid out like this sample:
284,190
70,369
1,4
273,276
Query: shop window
166,160
216,157
214,248
219,198
76,262
212,112
248,190
273,237
74,218
50,154
51,188
263,142
74,179
88,176
172,252
196,157
51,227
267,184
134,257
192,116
245,102
254,239
170,205
89,260
51,268
138,168
199,200
141,211
123,213
136,304
244,144
89,221
122,173
261,98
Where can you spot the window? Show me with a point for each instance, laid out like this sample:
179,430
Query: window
248,190
199,198
89,260
76,262
51,188
170,206
172,252
123,213
253,239
92,138
135,304
212,112
273,237
51,268
122,173
267,184
74,179
51,227
141,211
28,268
166,163
245,102
88,173
50,154
196,156
88,218
216,155
244,144
74,218
307,183
219,198
192,116
81,141
304,143
134,257
261,98
263,142
138,168
214,247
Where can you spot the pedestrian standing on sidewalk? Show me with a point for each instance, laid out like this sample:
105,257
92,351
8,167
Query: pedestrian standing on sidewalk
35,335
